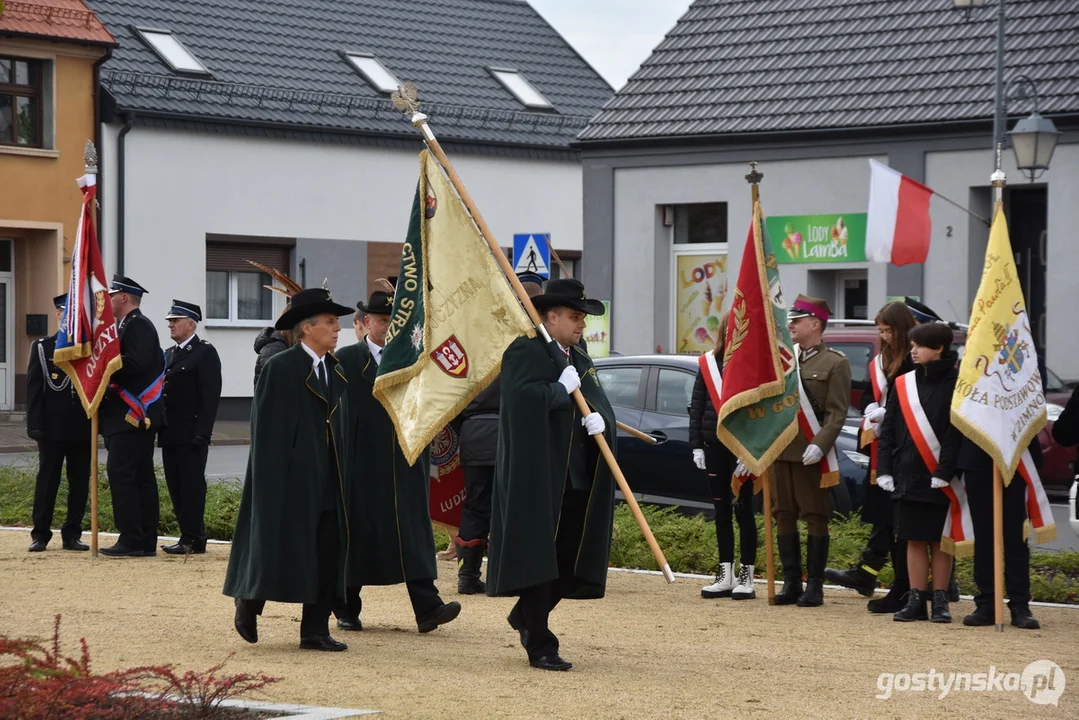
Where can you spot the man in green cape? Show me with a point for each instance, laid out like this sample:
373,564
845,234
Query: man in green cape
392,540
291,538
553,499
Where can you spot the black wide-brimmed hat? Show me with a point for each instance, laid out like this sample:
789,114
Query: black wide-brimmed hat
567,293
308,303
381,303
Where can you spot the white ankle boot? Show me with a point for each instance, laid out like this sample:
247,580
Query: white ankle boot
724,584
744,589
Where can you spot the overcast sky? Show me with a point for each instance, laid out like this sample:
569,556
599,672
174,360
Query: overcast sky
616,36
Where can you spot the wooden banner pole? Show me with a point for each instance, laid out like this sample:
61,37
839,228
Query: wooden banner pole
998,548
420,121
769,547
93,485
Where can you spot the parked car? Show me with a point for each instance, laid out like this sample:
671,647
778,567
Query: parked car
859,341
652,393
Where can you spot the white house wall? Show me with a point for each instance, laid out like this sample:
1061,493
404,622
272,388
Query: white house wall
182,185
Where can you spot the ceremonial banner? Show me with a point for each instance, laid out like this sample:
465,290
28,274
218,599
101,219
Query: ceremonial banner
998,401
758,415
453,316
447,479
88,344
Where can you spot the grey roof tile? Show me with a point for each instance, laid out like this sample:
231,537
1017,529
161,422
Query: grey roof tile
282,64
745,66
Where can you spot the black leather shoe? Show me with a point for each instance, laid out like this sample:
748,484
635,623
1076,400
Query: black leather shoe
351,624
813,595
76,545
38,546
915,608
520,628
941,613
322,642
550,662
790,555
246,622
857,578
892,602
182,548
981,617
441,615
119,550
1022,618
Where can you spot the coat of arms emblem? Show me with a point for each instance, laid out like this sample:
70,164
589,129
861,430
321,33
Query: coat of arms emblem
451,357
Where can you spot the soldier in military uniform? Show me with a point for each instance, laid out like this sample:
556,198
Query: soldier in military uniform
129,417
796,476
192,392
56,420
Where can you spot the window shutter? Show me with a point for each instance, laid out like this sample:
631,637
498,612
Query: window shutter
234,256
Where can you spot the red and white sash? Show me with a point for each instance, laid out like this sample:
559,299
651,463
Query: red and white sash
878,383
713,379
1038,509
810,426
958,536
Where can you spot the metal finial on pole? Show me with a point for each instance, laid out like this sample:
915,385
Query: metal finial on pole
90,156
998,179
753,178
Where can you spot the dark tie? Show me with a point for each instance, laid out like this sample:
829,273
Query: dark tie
322,377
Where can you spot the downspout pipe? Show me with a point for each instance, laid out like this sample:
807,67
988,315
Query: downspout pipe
121,173
97,137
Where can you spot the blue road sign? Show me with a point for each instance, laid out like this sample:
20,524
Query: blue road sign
531,253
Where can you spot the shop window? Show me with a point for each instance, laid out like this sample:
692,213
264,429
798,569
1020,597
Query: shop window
22,102
700,223
235,289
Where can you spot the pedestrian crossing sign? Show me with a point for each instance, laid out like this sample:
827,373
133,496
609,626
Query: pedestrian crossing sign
531,253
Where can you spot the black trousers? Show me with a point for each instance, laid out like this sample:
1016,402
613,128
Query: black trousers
723,500
476,511
881,539
422,593
534,606
1016,551
185,476
134,488
315,619
51,455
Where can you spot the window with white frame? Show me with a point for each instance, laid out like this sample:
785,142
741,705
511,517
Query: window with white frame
235,289
373,71
521,89
169,48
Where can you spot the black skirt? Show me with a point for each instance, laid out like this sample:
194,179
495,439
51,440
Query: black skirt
920,521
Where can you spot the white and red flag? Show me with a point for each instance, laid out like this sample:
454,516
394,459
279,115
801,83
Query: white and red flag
88,345
898,226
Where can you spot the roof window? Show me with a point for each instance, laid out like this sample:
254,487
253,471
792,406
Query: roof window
523,90
373,71
169,48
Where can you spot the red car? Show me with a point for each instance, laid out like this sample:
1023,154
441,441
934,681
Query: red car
859,341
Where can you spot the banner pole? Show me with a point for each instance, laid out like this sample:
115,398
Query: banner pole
93,485
769,547
998,548
419,120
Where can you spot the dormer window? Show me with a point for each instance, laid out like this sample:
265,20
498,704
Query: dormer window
373,71
169,48
523,90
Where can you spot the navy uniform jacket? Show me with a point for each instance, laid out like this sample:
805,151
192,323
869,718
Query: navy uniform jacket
143,363
192,392
53,407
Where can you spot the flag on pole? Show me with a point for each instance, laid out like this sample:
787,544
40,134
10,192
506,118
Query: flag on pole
453,316
898,226
999,400
88,344
759,405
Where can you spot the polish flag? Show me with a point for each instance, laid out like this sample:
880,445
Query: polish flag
897,229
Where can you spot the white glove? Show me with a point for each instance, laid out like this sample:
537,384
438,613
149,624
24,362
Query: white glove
874,413
812,455
740,470
593,423
886,483
937,483
570,379
698,458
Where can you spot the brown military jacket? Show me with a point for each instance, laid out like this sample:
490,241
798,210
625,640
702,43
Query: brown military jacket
825,376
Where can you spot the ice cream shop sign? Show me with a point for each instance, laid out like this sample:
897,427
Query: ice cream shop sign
818,238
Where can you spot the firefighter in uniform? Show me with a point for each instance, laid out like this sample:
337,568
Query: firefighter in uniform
56,420
796,476
192,392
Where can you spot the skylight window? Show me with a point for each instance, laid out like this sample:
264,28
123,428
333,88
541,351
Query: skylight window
172,51
523,90
373,71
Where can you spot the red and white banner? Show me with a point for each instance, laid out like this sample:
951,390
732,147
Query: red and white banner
958,536
88,344
713,379
898,225
1039,510
878,383
447,480
810,426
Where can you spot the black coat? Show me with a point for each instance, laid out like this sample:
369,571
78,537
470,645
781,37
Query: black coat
192,392
479,427
877,506
53,409
268,343
144,362
1066,428
898,455
702,414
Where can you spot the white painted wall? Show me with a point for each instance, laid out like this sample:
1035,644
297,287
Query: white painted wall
183,185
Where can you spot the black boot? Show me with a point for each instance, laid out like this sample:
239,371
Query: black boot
981,617
816,559
862,576
896,598
790,556
1022,617
940,607
915,607
953,586
469,566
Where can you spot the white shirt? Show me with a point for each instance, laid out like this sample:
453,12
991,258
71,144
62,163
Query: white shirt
182,345
316,360
376,351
